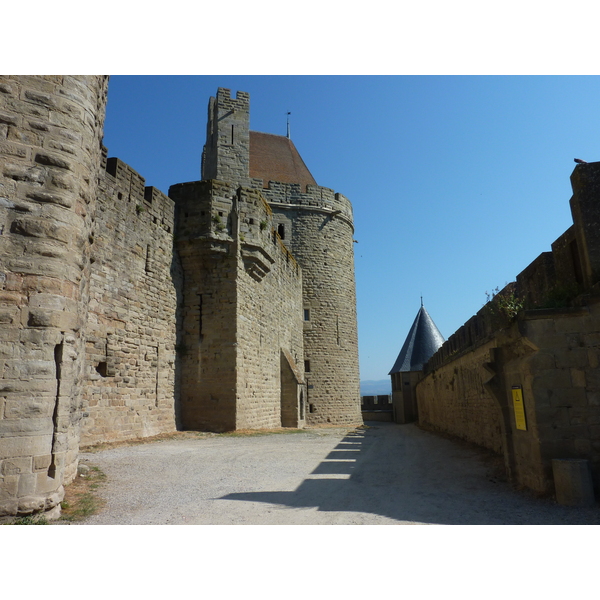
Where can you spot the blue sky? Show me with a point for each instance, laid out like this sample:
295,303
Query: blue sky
457,182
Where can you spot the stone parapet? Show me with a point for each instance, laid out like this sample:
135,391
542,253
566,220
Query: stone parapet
585,208
316,198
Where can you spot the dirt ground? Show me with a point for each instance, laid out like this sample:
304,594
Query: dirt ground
384,474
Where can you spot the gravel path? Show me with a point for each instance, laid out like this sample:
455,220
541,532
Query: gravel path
383,475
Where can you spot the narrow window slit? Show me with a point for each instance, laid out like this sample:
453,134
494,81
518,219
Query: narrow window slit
200,334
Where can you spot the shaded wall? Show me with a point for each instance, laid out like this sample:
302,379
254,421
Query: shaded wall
521,376
404,397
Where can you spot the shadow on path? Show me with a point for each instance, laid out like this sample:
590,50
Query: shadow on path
409,475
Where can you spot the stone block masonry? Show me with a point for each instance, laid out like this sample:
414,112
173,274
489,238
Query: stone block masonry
125,313
242,312
226,154
318,228
316,224
130,389
50,156
521,376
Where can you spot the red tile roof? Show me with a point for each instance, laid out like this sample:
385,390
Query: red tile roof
275,158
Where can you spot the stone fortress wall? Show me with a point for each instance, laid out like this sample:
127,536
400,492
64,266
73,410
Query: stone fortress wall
538,339
131,330
126,313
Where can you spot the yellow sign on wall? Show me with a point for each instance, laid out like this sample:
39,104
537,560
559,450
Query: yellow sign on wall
519,408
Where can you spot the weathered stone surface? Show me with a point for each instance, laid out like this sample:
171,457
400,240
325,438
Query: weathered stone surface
315,226
573,482
41,463
241,307
53,160
55,498
121,319
135,280
30,504
8,507
44,280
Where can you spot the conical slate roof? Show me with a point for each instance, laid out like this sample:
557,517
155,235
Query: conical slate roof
423,340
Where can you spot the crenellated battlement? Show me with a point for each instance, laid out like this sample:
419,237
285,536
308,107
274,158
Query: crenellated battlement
314,198
240,102
144,202
203,209
561,279
227,149
130,182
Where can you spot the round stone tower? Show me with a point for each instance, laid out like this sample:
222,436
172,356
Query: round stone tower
317,227
316,224
50,155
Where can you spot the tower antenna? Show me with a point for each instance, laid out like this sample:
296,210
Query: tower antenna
288,125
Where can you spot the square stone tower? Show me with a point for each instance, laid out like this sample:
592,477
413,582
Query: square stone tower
316,225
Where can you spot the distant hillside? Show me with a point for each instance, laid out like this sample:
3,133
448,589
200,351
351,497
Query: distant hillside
375,388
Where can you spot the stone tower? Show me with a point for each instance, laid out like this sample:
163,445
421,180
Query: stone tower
422,342
227,150
241,342
316,224
228,305
50,157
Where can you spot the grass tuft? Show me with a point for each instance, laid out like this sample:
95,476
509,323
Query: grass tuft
81,497
29,520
